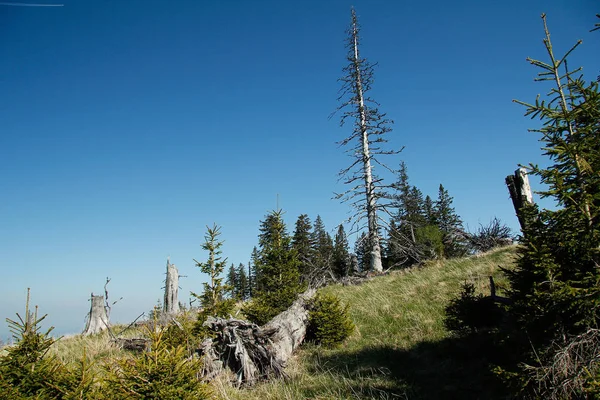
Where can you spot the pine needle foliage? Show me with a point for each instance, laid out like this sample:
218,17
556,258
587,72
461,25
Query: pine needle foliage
555,285
165,373
329,322
277,275
28,371
212,300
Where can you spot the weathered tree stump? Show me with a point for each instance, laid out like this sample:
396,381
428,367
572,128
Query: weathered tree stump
171,303
520,191
97,320
254,352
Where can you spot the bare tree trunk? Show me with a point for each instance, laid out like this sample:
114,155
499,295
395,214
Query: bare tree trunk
97,318
254,352
171,303
375,261
520,191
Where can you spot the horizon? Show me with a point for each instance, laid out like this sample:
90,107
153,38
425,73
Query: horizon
127,127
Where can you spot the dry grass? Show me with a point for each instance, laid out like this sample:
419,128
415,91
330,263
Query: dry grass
401,348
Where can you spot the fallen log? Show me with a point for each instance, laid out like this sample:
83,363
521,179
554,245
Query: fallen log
253,352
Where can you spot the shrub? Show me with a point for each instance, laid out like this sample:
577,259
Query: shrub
28,371
164,373
328,321
494,234
470,313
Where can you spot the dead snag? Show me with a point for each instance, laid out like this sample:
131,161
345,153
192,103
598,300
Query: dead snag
171,303
97,319
520,191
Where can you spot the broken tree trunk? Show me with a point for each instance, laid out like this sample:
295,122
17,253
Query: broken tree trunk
171,303
520,191
254,352
97,318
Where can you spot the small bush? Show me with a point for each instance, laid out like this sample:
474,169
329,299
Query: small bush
266,305
164,372
328,321
470,313
495,234
28,371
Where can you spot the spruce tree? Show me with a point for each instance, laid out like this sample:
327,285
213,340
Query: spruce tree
303,243
555,285
212,299
454,236
361,249
323,249
243,289
364,144
232,283
278,278
341,254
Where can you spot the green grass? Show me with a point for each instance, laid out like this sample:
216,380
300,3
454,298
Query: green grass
400,348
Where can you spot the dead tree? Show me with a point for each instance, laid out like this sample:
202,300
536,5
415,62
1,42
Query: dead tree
364,144
254,352
520,191
97,319
171,303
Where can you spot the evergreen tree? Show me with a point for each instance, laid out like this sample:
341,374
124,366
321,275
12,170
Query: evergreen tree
303,243
555,285
429,211
341,254
365,142
232,283
243,289
361,249
254,272
406,246
278,279
212,299
323,249
454,237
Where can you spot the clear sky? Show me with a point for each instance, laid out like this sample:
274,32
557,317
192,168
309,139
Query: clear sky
127,126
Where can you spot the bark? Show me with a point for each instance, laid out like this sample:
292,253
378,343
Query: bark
252,352
520,191
171,303
97,318
375,261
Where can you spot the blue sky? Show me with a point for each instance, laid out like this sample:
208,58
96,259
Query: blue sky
128,126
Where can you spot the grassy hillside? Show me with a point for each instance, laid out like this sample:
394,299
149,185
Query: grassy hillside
401,348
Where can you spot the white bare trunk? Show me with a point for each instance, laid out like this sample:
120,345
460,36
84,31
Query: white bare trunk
520,191
375,247
97,318
171,302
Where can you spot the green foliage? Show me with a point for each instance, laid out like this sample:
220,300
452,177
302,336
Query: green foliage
213,300
341,255
165,373
329,322
27,371
429,239
470,313
181,331
454,237
323,249
303,243
278,279
555,285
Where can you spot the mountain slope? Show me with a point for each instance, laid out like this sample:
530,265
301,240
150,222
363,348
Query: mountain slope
400,348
